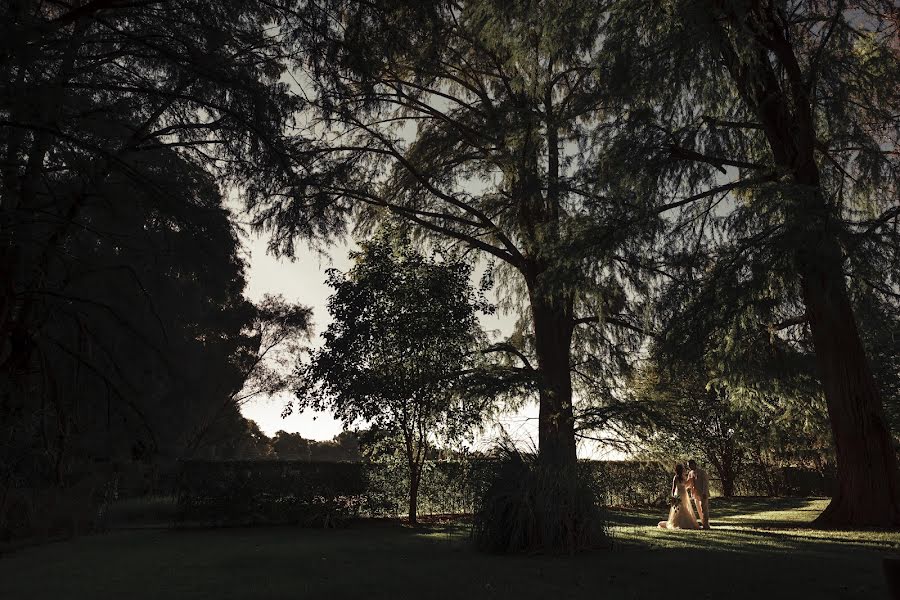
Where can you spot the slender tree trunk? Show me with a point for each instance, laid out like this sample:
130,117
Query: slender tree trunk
553,327
727,477
764,468
415,475
413,498
415,457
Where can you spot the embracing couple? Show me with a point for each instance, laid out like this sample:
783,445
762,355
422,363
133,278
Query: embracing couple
681,515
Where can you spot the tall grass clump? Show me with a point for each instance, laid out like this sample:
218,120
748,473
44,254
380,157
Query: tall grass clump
529,508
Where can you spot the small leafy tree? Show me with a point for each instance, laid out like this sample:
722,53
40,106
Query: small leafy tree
695,418
732,423
404,330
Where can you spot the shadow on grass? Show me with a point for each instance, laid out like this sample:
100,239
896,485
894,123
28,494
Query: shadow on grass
754,541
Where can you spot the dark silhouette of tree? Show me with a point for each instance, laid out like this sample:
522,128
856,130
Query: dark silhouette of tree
344,447
473,124
404,332
776,123
275,337
142,333
243,440
91,93
123,328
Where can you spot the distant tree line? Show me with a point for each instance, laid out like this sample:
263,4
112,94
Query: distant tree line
369,444
253,443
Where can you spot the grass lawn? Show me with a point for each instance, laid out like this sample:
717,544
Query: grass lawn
757,549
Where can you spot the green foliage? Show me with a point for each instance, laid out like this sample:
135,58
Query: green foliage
344,447
124,333
404,329
245,492
138,333
731,432
769,133
404,334
329,493
879,324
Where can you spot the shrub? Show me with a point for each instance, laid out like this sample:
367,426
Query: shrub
528,507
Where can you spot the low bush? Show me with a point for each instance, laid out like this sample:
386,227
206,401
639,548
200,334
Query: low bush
51,512
528,507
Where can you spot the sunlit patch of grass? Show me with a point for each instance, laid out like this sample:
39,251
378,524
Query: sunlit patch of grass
768,512
751,525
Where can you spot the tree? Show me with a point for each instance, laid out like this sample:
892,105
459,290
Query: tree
121,287
776,123
344,447
405,331
248,442
468,123
694,416
291,445
90,95
144,326
275,336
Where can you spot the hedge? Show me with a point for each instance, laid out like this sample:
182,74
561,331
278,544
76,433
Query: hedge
267,491
328,493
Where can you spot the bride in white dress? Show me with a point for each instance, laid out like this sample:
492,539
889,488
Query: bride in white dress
681,515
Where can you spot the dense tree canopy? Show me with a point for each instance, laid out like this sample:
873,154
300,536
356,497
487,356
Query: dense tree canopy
144,331
91,96
123,326
737,436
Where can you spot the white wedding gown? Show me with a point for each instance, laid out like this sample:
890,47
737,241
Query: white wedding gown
681,516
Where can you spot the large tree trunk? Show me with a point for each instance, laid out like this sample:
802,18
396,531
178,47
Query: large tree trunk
868,493
867,467
553,327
